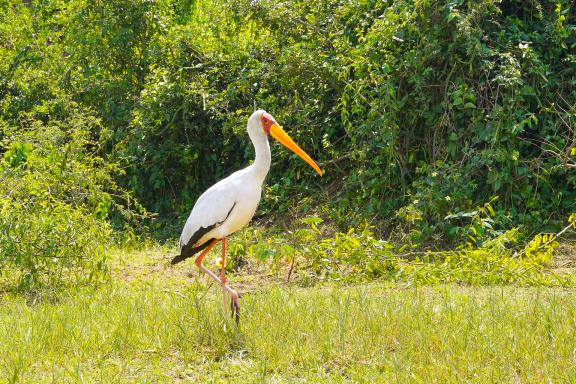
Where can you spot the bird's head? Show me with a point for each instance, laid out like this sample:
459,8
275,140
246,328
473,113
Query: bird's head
263,123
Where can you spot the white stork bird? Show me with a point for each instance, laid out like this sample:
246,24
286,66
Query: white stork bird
230,204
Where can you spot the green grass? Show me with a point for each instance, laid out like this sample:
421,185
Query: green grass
155,324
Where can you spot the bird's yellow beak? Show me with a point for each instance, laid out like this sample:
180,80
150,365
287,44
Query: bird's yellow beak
279,134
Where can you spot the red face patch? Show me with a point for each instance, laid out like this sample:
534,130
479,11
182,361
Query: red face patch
267,121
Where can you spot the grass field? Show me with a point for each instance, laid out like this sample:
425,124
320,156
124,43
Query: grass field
153,323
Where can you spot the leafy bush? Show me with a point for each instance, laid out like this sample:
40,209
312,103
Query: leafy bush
51,244
448,103
345,255
313,252
58,199
454,102
496,262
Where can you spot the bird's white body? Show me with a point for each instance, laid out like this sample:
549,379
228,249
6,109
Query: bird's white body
231,203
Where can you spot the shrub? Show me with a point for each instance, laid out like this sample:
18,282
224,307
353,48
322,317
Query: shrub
313,252
58,199
50,243
450,103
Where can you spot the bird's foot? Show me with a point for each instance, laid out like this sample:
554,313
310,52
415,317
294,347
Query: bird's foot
223,279
235,306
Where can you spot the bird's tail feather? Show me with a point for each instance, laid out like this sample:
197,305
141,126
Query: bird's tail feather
186,252
178,259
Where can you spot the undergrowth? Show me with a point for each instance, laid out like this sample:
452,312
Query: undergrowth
442,123
59,202
314,253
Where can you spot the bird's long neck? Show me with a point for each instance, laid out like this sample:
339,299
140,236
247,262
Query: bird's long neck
261,164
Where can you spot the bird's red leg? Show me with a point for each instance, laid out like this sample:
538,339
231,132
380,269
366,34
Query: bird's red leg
223,266
223,273
200,257
234,304
233,295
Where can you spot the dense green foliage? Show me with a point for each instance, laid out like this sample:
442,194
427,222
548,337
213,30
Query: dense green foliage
58,199
434,120
435,105
312,254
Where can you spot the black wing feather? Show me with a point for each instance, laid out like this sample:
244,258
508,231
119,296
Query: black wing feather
188,249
